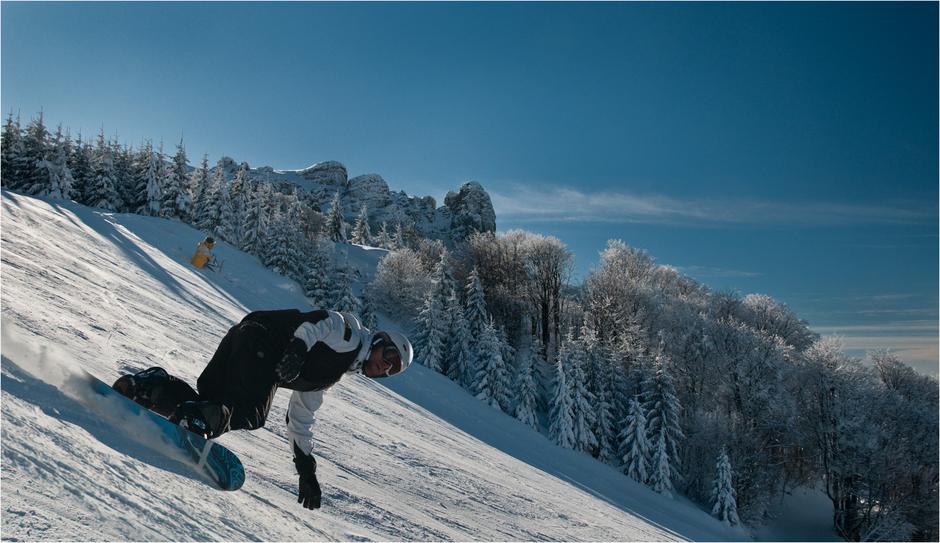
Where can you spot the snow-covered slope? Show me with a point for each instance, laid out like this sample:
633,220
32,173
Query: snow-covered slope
413,458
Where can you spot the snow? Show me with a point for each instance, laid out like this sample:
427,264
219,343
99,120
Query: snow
804,515
408,458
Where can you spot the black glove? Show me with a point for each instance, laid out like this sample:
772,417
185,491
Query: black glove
289,367
308,490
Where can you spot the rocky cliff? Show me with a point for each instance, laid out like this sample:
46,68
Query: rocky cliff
464,212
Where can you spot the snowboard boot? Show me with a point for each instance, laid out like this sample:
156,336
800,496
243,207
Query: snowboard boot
155,389
208,419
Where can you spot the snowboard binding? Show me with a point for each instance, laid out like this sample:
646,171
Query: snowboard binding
148,388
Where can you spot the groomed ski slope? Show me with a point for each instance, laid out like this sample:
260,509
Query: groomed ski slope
411,458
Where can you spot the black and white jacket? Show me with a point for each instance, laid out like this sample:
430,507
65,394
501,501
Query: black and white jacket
336,344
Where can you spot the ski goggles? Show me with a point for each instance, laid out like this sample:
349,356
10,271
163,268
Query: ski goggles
390,353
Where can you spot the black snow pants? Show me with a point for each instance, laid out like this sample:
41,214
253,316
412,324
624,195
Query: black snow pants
236,388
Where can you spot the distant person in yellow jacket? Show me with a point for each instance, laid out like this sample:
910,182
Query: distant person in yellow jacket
203,254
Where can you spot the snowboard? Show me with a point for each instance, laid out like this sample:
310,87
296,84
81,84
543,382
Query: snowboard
206,456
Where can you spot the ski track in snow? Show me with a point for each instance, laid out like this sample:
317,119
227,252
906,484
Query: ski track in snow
108,293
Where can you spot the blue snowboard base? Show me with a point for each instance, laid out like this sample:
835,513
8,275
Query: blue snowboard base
208,457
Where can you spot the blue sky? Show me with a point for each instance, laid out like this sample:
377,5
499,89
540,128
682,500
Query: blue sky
787,149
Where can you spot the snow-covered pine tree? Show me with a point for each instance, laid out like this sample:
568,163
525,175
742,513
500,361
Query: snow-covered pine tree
724,497
124,181
621,393
34,171
489,381
148,182
101,191
605,420
583,416
12,152
476,304
361,233
269,211
251,218
398,236
212,206
335,226
526,389
199,183
661,473
80,165
383,239
317,276
662,408
60,177
163,174
176,202
561,415
228,222
344,299
634,444
459,344
367,311
239,198
281,252
432,324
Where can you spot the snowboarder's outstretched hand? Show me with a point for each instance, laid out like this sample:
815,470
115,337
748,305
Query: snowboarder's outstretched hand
308,490
289,367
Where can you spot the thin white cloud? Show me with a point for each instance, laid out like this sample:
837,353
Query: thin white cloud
708,271
519,202
914,342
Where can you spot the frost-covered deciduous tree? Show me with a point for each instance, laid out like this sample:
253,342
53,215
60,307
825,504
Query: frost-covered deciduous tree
549,262
724,498
634,444
400,284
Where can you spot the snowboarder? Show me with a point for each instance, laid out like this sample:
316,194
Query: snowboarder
203,255
305,352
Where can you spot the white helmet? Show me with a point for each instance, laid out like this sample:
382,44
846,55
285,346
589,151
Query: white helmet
399,342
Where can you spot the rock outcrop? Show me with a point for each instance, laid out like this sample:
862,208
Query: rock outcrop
471,210
464,212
